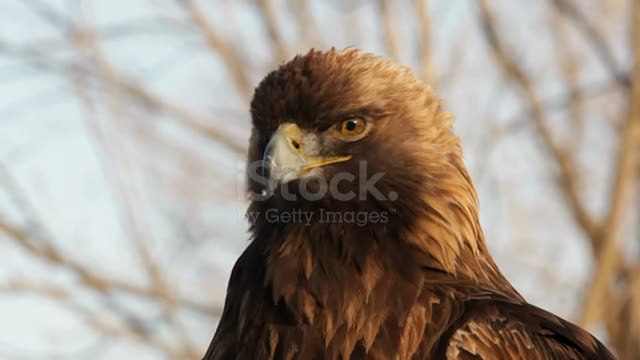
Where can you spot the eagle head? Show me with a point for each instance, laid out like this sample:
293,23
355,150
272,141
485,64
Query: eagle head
345,130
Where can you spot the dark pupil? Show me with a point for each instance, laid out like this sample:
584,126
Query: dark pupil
351,125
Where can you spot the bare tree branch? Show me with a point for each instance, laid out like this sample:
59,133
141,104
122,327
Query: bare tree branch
627,167
568,180
129,195
94,319
599,235
595,39
38,59
87,277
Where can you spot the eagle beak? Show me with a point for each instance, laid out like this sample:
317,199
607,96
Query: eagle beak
289,156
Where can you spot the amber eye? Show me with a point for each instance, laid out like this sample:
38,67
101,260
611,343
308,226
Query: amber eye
352,127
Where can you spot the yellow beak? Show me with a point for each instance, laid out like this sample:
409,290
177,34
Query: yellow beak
289,154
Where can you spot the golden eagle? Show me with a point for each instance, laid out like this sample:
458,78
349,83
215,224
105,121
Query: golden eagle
366,242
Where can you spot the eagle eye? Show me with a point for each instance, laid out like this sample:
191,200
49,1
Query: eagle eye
352,128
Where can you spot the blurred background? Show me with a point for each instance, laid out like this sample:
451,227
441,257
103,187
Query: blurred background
124,125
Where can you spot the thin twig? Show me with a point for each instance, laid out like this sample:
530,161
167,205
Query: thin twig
570,64
388,29
227,53
425,50
307,28
595,39
268,16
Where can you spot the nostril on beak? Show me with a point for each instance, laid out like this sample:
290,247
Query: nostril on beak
295,144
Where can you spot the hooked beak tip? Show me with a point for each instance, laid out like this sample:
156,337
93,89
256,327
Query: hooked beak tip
285,159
